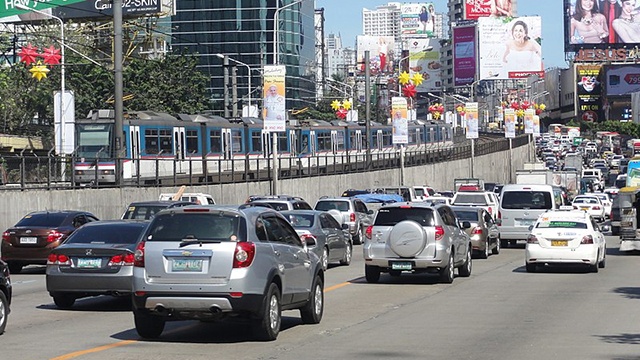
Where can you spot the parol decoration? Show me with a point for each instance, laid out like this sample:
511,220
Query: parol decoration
341,108
436,110
39,71
28,54
417,79
461,109
346,104
409,90
342,113
404,78
335,105
51,56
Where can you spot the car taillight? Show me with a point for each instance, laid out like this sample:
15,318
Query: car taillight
54,235
490,211
369,231
532,239
476,231
596,208
587,239
352,217
305,238
138,255
122,259
58,259
244,254
499,219
439,233
6,237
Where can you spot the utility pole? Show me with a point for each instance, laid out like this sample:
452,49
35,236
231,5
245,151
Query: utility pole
225,63
234,90
367,94
118,89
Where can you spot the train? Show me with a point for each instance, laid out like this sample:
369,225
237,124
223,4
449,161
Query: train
162,145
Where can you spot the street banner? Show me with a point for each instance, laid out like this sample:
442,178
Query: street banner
399,120
528,120
274,110
471,118
536,125
509,123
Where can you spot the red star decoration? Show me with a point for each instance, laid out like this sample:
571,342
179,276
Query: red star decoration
341,113
28,54
51,56
409,90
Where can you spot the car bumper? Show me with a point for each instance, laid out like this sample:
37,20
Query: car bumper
120,282
181,306
534,253
373,257
513,233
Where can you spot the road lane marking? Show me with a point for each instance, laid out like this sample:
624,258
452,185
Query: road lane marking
127,342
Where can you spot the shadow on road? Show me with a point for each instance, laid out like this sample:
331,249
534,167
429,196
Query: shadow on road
628,292
102,303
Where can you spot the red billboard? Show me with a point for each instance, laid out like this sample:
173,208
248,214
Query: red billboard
474,9
464,55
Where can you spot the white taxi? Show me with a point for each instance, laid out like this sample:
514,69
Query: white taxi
590,204
565,237
605,200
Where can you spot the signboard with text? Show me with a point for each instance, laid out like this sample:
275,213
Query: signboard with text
464,55
400,130
622,79
274,109
589,93
471,118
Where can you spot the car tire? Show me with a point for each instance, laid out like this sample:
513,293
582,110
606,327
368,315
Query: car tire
348,254
324,260
358,238
467,266
372,273
4,312
496,250
447,272
148,326
312,312
531,267
64,301
603,263
593,268
407,239
14,267
268,327
485,253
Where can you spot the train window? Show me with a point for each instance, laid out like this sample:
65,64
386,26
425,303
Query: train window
283,142
304,144
192,141
165,141
236,141
386,138
215,139
324,141
151,141
256,141
340,140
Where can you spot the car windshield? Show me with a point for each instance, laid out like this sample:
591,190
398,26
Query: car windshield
392,216
467,215
196,226
106,234
301,220
561,224
478,199
331,205
142,212
538,200
45,220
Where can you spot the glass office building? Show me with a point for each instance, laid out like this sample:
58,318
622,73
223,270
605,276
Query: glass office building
244,31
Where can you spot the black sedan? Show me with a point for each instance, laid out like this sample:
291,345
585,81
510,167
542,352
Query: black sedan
5,295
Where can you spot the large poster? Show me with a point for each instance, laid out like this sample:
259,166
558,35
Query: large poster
536,125
512,49
474,9
79,9
509,123
380,53
471,118
274,109
426,63
528,121
622,79
417,19
400,131
589,93
464,55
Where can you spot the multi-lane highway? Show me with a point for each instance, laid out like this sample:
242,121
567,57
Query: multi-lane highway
500,312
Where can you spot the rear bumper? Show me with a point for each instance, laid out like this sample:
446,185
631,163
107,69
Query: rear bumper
179,306
534,254
120,282
513,233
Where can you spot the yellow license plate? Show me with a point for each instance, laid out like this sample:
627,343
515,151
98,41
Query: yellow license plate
559,242
584,208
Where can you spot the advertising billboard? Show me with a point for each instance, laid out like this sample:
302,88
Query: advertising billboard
589,93
509,123
471,119
274,108
464,55
528,120
474,9
622,79
380,53
510,49
417,19
426,63
399,119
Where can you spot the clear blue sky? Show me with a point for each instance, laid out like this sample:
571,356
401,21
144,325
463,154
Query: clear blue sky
345,17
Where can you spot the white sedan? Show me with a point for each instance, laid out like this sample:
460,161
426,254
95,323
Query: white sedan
565,237
605,200
591,204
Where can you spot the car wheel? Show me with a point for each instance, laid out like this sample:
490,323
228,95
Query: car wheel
325,259
64,301
348,253
4,312
446,273
496,250
372,273
268,327
465,269
603,263
358,238
148,326
15,268
485,253
531,267
311,313
593,268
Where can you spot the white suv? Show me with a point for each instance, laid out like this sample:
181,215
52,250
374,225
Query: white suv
484,199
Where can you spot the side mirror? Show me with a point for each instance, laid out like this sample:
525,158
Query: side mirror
530,227
605,228
466,225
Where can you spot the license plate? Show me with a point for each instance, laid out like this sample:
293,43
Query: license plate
401,266
89,263
524,222
29,240
584,208
186,265
625,224
559,242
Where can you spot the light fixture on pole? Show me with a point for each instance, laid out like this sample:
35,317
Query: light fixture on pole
222,56
473,84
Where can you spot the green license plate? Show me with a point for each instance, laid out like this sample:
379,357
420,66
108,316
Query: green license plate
186,265
89,263
401,265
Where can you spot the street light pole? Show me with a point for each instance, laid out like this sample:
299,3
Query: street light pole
222,56
276,29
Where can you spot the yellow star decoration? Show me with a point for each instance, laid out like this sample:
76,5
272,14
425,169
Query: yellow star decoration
39,71
335,105
346,105
404,78
542,107
417,79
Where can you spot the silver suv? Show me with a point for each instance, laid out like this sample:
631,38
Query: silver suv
354,213
417,237
280,202
212,262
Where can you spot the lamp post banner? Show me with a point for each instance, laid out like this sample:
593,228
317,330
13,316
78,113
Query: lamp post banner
400,121
509,123
528,120
471,118
274,109
536,125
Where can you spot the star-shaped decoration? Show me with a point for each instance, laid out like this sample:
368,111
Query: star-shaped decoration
342,113
28,54
51,56
346,104
39,71
404,78
417,79
409,90
335,105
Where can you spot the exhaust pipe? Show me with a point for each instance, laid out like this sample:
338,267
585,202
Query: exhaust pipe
215,309
160,309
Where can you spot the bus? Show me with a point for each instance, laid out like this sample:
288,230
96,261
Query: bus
633,172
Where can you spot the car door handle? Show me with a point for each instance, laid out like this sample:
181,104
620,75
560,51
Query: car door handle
276,252
296,256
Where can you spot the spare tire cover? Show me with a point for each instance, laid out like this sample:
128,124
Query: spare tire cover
337,215
407,238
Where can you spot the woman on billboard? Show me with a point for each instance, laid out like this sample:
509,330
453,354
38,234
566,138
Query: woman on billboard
522,53
627,26
588,26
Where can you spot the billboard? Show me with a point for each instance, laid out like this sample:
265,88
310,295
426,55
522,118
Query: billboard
426,63
601,23
589,93
474,9
417,19
274,108
464,55
510,49
509,123
622,79
380,53
528,121
471,119
400,130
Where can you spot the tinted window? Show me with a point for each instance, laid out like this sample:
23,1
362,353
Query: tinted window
279,206
144,212
330,205
300,205
300,220
204,226
522,200
46,220
392,216
467,215
106,234
470,199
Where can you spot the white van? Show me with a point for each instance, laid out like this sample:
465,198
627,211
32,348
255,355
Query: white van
592,173
520,206
198,198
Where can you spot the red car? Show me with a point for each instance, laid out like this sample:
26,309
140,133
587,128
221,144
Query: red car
31,240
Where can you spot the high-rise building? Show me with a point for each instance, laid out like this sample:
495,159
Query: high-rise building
244,31
383,21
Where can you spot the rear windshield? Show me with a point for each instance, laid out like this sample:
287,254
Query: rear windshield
45,220
562,225
392,216
479,199
585,201
330,205
200,226
523,200
106,234
418,191
143,212
301,221
467,215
